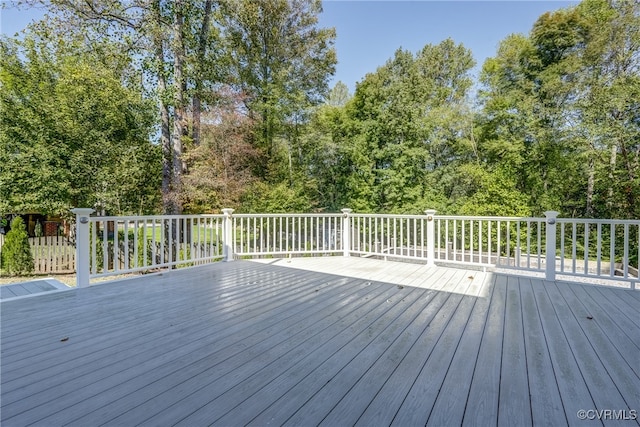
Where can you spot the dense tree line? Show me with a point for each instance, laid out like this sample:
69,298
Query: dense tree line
194,105
74,130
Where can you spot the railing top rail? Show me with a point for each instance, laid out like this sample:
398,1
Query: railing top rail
534,219
288,215
370,215
598,221
490,218
450,217
151,217
367,215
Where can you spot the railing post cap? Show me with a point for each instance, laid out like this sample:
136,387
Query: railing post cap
430,211
346,210
227,211
82,211
551,214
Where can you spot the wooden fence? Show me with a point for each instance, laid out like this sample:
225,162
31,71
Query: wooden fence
51,254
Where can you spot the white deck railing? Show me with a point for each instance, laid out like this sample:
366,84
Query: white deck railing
607,249
127,244
491,241
287,234
397,236
600,248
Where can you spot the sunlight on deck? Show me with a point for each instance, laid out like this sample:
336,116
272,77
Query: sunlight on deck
467,282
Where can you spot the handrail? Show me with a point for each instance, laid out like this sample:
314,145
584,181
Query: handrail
286,215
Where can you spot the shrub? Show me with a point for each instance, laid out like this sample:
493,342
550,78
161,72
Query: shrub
16,255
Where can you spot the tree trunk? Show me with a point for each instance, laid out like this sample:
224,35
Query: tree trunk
631,176
612,168
179,127
197,96
165,133
196,117
590,188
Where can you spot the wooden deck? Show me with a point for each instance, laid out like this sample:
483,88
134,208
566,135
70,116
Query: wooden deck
374,343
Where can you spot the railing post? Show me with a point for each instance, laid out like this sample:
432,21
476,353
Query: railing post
227,235
550,255
82,245
431,240
346,232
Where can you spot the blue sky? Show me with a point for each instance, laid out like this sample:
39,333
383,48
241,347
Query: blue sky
369,32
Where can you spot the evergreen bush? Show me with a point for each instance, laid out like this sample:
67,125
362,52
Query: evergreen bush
16,255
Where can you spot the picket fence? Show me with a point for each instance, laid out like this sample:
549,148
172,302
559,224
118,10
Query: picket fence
51,254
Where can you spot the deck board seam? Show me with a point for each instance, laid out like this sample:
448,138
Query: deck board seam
484,329
333,336
298,332
244,320
548,351
572,345
440,335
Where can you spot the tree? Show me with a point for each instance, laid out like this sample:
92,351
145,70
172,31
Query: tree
520,124
221,168
607,108
413,118
338,96
16,252
74,132
335,160
173,43
560,108
281,61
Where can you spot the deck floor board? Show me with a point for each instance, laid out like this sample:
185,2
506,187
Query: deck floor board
611,330
514,404
176,341
482,400
417,405
590,365
328,340
619,301
245,376
84,342
173,351
609,348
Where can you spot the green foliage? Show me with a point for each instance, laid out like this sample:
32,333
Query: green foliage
556,125
38,229
73,134
409,120
338,96
282,60
278,198
144,249
494,194
555,114
16,252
